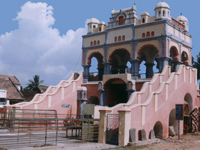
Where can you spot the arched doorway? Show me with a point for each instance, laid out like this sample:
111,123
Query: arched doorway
119,59
120,20
174,53
185,58
148,53
172,120
115,92
93,100
175,62
93,59
188,100
188,121
158,129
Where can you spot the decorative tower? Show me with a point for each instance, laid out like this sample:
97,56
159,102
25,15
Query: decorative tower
92,25
182,19
162,11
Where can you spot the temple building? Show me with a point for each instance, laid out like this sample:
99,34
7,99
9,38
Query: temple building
131,107
159,39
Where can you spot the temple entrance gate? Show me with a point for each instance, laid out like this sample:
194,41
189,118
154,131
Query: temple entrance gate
112,128
116,92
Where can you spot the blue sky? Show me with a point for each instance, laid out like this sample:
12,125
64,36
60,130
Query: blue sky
45,38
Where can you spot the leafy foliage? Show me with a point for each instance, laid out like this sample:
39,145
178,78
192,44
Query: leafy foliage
196,64
33,84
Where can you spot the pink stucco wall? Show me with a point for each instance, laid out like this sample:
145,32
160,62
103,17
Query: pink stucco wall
64,93
165,95
175,96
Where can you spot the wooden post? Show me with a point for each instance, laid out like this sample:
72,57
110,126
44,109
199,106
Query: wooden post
178,129
199,120
179,116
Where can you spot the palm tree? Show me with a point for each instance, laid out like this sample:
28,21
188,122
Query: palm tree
196,64
32,86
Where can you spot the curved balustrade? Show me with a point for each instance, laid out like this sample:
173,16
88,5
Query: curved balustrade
157,98
65,90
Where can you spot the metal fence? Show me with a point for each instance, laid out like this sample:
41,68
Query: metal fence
21,128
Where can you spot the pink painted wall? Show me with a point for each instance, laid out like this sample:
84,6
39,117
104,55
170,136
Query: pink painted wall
176,96
64,93
177,89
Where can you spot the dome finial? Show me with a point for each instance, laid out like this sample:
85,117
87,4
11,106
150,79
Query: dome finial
162,4
134,6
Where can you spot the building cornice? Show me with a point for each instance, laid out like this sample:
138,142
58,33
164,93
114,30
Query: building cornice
142,39
178,28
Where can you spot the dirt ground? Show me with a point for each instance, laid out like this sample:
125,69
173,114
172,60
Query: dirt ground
191,141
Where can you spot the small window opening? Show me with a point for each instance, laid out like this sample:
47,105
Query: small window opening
148,34
115,39
143,20
164,13
89,28
99,28
152,33
91,44
95,42
94,26
143,34
123,38
159,13
120,20
119,38
98,42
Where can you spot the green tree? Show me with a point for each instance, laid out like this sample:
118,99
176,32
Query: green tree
33,84
196,64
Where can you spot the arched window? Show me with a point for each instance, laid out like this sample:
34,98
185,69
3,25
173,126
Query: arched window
123,38
120,20
148,34
95,42
152,33
159,13
99,28
94,26
91,44
184,58
143,20
115,39
89,28
143,34
98,42
164,13
119,38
